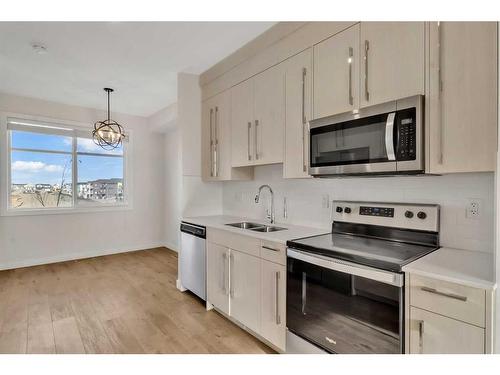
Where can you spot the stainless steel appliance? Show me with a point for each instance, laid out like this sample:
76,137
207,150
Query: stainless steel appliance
383,139
193,259
345,289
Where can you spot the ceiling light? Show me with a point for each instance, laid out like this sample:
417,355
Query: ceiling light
39,49
108,133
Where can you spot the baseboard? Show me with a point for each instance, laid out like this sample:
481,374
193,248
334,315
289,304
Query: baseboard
75,256
171,246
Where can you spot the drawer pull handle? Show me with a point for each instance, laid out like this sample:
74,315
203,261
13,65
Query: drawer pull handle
449,295
270,248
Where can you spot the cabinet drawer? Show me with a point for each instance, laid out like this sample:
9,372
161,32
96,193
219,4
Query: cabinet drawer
455,301
274,252
234,241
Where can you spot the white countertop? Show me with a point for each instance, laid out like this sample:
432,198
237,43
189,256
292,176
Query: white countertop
292,231
470,268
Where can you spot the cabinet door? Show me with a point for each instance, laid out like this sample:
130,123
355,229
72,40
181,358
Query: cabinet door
462,122
269,115
207,140
436,334
393,61
298,90
245,289
273,303
218,276
242,143
336,73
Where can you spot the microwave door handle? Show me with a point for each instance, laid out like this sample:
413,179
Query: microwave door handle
389,136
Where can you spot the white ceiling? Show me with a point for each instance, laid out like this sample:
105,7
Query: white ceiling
140,60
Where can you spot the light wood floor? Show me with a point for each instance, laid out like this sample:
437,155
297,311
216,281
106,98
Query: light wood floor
125,303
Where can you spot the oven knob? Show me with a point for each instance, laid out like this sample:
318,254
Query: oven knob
421,215
339,209
409,214
347,210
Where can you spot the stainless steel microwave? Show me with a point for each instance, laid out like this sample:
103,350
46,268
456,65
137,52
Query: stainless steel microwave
382,139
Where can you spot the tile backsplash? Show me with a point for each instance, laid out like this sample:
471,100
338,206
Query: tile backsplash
309,200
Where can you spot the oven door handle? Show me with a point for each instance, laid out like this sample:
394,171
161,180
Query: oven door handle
389,136
386,277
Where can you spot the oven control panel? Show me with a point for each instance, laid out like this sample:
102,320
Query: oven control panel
397,215
376,211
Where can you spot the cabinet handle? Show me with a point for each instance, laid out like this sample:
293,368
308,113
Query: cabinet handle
304,120
270,248
367,93
231,271
248,141
224,280
421,336
449,295
277,305
216,144
440,90
211,144
349,62
256,140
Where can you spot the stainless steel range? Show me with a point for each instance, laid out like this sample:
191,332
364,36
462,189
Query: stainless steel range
345,289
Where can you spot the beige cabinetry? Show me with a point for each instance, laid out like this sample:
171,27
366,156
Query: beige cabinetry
393,55
245,289
246,280
336,73
218,276
462,100
258,119
432,333
298,101
444,317
216,141
273,302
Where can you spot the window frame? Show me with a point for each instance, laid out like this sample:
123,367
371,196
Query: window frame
76,127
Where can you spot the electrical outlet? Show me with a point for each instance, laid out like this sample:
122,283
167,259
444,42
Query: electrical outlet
325,201
473,209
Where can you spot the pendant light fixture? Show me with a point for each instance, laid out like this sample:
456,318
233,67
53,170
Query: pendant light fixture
108,133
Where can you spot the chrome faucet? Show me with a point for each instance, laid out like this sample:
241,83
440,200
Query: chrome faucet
270,212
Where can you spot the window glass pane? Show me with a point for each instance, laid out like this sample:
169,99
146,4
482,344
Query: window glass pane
100,180
88,145
39,141
40,180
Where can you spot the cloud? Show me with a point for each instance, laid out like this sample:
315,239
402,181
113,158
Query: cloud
88,145
35,166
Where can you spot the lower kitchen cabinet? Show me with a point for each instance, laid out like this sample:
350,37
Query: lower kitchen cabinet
248,285
273,303
218,276
436,334
244,289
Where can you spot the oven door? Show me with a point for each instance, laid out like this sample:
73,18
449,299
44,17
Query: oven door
343,307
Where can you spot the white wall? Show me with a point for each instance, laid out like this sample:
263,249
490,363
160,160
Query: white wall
304,200
173,187
27,240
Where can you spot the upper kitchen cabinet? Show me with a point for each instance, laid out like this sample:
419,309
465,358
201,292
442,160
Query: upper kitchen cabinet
393,65
462,99
298,94
216,141
258,119
242,145
336,73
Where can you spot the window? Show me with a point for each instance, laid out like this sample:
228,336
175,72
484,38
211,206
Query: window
54,166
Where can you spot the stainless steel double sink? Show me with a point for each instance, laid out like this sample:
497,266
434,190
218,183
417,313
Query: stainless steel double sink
256,227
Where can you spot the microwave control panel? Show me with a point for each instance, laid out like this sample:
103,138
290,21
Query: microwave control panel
407,133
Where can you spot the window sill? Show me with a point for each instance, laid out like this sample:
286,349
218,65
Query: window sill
69,210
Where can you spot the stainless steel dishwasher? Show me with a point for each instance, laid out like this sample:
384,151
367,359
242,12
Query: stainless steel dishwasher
193,259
